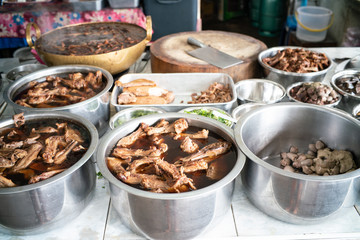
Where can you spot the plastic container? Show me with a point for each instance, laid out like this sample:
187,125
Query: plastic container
272,17
171,16
313,23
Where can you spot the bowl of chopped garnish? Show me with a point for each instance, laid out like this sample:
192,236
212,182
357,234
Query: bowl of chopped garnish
130,113
211,112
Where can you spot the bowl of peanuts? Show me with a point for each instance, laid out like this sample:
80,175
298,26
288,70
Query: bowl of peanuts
288,65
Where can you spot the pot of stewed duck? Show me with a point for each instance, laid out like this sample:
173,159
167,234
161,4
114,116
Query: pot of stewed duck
114,46
177,168
46,174
80,89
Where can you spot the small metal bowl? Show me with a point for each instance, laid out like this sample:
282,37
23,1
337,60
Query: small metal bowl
23,70
244,108
348,101
130,113
287,78
300,84
259,91
208,109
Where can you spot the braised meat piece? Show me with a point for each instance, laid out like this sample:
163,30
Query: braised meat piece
44,175
216,93
59,91
19,119
151,158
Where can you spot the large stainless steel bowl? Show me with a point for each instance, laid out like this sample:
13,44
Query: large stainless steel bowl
51,203
288,78
95,109
348,101
297,198
169,215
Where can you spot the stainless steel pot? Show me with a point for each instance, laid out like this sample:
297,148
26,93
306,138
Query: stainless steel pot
165,215
263,133
51,203
288,78
95,109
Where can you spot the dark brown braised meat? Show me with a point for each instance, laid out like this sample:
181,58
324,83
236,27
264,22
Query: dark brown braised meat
38,150
91,39
314,93
349,84
216,93
156,158
58,91
298,60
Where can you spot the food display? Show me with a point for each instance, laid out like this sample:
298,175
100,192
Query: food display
314,93
171,157
297,60
216,93
37,150
90,39
58,91
319,160
143,91
349,84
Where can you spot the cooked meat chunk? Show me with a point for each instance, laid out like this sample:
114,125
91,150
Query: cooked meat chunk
19,119
136,83
4,182
193,166
61,156
188,145
131,139
203,134
32,154
44,175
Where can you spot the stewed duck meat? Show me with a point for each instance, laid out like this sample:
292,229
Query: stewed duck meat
165,158
57,91
37,150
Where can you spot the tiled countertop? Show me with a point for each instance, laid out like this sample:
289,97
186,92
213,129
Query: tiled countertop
243,220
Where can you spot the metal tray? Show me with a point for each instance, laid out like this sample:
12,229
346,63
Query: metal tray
182,85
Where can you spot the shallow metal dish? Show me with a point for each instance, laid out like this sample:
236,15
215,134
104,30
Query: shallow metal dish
182,85
265,132
51,203
259,91
299,84
288,78
96,109
348,101
166,215
244,108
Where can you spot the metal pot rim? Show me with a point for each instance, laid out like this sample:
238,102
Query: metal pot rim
48,72
300,83
252,157
100,160
349,71
275,49
94,138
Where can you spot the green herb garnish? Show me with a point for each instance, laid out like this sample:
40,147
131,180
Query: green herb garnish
99,175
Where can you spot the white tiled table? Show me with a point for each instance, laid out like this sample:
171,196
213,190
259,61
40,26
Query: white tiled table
243,221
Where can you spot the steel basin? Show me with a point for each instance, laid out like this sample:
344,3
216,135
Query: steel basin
165,215
95,109
51,203
287,78
297,198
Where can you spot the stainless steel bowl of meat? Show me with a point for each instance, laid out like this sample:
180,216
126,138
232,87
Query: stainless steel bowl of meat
347,83
47,176
302,161
171,175
288,65
80,89
259,91
313,93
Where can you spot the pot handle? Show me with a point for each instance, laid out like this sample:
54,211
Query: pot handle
148,29
28,34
